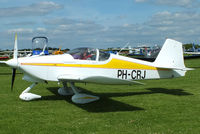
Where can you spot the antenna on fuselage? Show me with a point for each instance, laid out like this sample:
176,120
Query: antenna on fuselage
123,47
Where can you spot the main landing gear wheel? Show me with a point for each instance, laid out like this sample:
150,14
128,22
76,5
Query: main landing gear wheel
81,98
65,91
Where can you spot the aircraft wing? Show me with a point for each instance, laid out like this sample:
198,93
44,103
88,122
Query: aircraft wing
97,79
70,77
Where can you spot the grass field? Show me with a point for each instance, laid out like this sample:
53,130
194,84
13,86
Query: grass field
167,106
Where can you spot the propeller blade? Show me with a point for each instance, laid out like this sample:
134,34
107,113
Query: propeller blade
15,48
13,78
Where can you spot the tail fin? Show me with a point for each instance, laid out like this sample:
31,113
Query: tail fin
171,56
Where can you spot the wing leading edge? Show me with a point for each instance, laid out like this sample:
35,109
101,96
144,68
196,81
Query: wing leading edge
96,79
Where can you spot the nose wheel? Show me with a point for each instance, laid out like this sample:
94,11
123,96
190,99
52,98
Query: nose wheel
26,96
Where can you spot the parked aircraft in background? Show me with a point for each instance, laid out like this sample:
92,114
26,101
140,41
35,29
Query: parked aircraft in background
58,52
4,58
152,53
193,50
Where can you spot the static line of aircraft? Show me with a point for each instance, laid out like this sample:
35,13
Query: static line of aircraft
193,51
90,65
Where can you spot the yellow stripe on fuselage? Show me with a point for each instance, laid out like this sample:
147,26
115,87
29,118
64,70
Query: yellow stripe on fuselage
113,64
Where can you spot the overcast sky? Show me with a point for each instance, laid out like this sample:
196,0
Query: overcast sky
99,23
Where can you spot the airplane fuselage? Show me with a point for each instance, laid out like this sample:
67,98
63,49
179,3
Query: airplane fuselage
50,68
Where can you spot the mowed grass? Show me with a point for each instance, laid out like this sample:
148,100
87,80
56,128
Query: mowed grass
167,106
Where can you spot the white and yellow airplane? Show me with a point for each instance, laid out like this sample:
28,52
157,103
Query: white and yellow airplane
89,65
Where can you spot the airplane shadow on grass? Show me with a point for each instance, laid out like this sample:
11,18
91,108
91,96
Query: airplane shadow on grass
106,104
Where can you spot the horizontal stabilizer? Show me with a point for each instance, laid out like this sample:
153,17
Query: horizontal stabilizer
174,68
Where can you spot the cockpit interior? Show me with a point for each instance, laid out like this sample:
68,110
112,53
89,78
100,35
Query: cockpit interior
86,53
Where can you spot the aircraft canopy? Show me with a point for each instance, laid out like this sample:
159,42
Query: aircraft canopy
85,53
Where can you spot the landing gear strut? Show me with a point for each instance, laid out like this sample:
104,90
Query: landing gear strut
79,98
25,95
